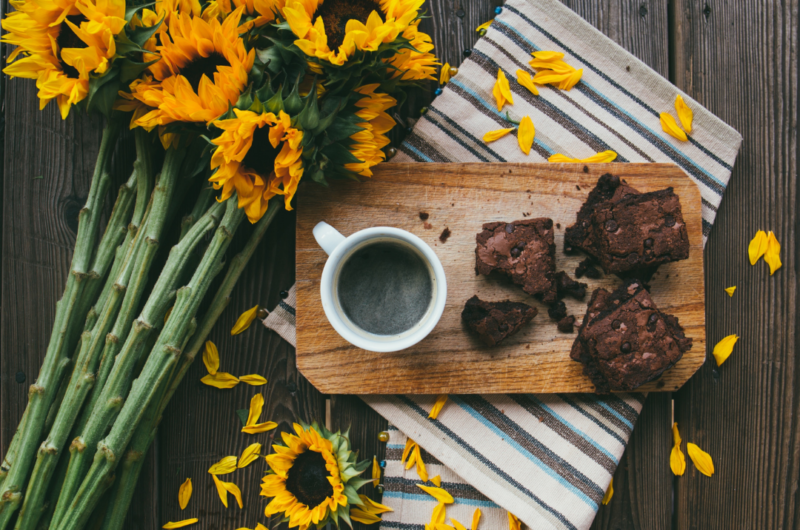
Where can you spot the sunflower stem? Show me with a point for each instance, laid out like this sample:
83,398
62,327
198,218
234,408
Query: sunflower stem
64,337
201,205
158,367
133,461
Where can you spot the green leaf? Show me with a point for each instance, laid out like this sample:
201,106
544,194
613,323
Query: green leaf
340,155
132,10
130,70
344,515
352,496
318,176
39,177
140,35
271,58
309,118
243,415
293,103
342,129
357,483
103,92
275,103
245,99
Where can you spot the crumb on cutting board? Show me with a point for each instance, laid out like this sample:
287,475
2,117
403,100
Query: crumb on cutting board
445,234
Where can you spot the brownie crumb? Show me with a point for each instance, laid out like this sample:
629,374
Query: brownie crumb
585,169
566,286
424,216
557,311
566,324
586,268
427,226
444,235
558,225
494,321
577,187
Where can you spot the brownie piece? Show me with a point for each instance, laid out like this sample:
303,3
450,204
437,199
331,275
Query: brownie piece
625,341
587,268
557,310
494,321
524,250
566,286
565,325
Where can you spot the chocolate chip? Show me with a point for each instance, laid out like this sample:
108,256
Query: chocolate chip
633,257
625,348
648,243
611,225
653,318
616,324
515,252
669,220
510,229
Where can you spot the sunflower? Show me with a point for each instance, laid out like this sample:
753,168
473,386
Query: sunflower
258,157
305,477
369,142
257,12
203,69
418,63
60,43
333,30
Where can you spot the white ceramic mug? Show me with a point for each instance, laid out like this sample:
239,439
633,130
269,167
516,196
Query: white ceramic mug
339,249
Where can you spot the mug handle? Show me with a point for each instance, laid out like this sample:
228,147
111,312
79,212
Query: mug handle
327,237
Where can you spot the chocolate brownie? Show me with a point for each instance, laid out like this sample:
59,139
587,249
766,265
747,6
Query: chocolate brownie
494,321
566,286
524,250
625,341
557,310
565,325
627,232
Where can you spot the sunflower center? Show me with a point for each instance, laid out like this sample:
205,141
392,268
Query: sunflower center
308,479
336,13
203,66
261,156
68,39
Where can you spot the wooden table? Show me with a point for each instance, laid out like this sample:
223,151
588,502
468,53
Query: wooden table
739,59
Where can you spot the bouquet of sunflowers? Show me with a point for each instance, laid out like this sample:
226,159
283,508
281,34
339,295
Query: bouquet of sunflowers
249,96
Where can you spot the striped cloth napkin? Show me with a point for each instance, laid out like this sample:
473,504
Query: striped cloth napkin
548,459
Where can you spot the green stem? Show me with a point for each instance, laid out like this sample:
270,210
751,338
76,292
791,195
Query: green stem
157,369
125,483
201,205
62,340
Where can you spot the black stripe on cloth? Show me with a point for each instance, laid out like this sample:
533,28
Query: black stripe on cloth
566,398
456,489
706,228
410,152
480,107
578,131
401,526
286,307
435,118
425,148
395,454
609,80
535,447
618,404
638,396
488,463
577,441
586,401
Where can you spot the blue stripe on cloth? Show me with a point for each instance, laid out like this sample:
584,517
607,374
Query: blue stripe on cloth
488,463
458,140
552,473
416,151
423,497
625,409
616,414
592,418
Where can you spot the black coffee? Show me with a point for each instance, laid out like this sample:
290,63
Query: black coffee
385,288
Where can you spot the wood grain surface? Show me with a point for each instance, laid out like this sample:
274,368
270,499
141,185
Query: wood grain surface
461,198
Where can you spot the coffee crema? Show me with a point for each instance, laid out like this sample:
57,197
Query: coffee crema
385,288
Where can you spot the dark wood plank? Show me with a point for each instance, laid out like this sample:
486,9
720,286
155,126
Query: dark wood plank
741,62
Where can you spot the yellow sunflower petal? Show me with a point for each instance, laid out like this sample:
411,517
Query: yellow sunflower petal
548,56
437,481
485,25
476,518
439,514
524,79
180,524
491,136
234,490
253,380
502,91
211,357
670,127
444,74
249,455
757,247
437,493
773,254
220,380
701,459
185,493
573,79
513,522
256,405
244,320
677,462
224,466
221,490
609,492
730,290
421,470
408,449
724,348
373,506
685,114
525,134
360,516
603,157
376,471
457,525
437,407
259,427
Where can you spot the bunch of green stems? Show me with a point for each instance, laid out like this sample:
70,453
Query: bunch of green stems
114,361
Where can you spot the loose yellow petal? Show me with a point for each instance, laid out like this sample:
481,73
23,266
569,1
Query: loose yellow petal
548,56
360,516
502,91
677,462
444,74
476,518
603,157
524,79
221,490
249,455
485,25
724,348
421,471
371,506
609,492
253,380
556,67
376,471
211,357
259,427
549,77
407,451
670,127
701,459
491,136
234,490
185,493
757,247
437,407
513,522
256,405
180,524
439,514
676,435
525,134
773,254
571,81
224,466
220,380
437,480
685,114
730,290
437,493
457,525
244,320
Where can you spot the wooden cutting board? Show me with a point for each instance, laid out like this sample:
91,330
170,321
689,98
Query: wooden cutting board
462,197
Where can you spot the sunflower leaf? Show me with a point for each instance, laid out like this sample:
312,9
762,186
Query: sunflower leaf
358,482
103,92
352,495
132,10
275,103
340,155
243,413
130,70
293,103
140,35
342,129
